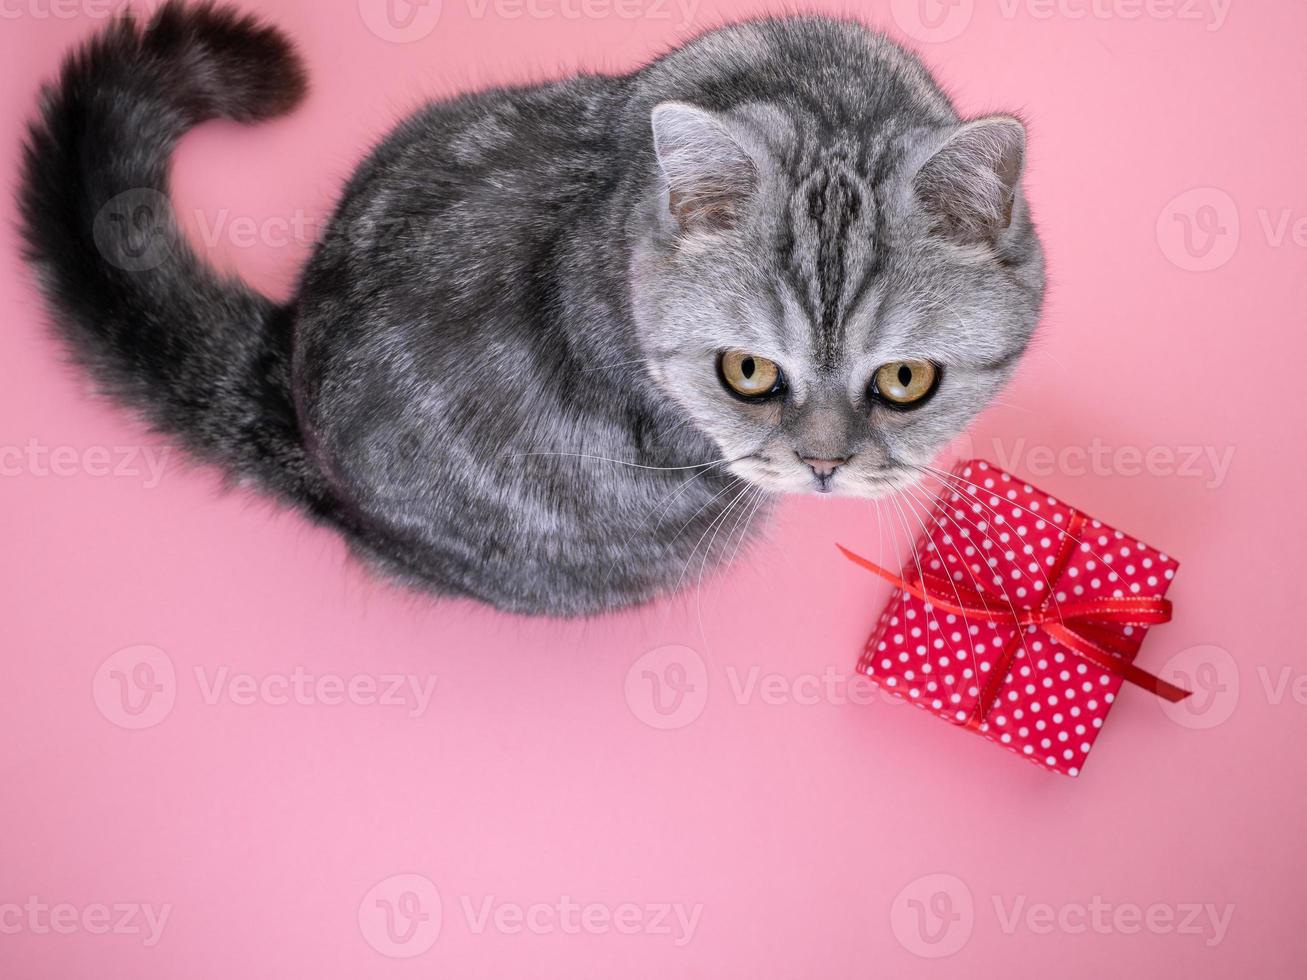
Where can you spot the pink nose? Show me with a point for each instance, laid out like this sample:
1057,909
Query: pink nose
824,468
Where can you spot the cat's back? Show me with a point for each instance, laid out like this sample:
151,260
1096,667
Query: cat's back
520,143
451,214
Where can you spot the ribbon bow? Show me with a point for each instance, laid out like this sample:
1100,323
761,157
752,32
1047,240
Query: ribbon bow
1080,626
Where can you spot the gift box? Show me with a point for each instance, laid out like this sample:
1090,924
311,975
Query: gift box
1018,617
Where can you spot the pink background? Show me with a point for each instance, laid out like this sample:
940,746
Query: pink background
820,837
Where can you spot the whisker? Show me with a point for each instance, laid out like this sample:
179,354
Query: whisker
742,522
665,502
1061,531
921,577
912,546
680,581
707,553
622,462
946,508
975,661
997,519
735,481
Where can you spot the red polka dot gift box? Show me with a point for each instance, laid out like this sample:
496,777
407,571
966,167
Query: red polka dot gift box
1019,618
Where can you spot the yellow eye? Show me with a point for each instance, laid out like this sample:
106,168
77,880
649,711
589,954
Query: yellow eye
905,383
749,375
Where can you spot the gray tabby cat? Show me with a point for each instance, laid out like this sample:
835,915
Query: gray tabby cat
563,340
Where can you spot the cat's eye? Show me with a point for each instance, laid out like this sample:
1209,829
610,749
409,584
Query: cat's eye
749,375
905,384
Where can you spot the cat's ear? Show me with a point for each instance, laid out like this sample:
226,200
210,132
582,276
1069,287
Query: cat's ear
970,184
708,175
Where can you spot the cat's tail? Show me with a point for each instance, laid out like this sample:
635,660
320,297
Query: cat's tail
201,356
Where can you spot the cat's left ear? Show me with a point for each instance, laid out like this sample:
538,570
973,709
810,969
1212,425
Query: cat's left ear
970,184
709,176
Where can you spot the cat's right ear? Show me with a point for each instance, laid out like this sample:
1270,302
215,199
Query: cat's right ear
708,176
970,183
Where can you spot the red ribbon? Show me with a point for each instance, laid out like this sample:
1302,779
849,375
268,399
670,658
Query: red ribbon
1079,626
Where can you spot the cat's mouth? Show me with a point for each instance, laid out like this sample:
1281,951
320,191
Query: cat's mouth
880,483
890,479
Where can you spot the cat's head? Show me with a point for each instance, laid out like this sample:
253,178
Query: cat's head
829,314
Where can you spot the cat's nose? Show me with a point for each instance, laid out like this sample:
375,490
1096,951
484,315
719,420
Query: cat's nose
823,470
824,467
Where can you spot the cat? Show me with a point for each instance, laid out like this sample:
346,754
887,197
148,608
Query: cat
562,343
